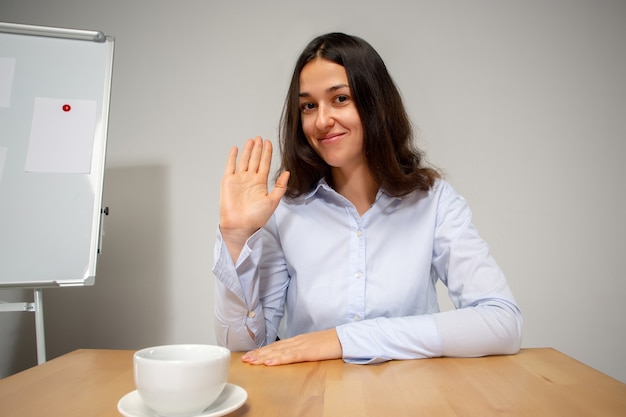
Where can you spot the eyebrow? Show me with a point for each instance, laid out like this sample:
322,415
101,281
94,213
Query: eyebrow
328,90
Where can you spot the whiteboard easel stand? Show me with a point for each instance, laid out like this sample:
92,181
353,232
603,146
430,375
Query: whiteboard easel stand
36,307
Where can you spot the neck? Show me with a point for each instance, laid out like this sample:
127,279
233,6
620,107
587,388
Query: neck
359,187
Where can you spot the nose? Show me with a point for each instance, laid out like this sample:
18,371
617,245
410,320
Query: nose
325,117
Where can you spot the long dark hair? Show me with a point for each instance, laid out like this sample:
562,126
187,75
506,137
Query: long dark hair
393,159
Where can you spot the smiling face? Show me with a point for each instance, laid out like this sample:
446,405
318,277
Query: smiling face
330,120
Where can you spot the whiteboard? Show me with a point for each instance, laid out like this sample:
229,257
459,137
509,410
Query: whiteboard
55,88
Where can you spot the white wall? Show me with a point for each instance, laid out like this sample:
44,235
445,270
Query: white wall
522,103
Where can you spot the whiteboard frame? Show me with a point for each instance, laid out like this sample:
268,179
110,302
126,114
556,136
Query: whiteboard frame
99,146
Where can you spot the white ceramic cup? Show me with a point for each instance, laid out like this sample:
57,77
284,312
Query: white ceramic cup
180,380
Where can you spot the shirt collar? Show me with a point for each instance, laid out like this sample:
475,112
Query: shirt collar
323,189
321,185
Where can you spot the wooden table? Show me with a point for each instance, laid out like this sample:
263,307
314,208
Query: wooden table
536,382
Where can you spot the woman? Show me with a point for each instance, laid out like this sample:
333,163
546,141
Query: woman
341,258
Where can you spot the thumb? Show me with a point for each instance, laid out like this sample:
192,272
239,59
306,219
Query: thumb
280,188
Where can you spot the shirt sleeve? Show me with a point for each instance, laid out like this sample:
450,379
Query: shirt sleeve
244,302
486,320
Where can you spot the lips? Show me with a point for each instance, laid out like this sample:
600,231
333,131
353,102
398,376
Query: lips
330,138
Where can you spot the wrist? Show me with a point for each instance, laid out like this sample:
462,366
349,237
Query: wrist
235,240
236,234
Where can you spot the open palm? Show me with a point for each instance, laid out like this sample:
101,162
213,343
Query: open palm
245,201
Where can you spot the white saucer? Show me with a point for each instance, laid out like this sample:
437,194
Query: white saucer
233,397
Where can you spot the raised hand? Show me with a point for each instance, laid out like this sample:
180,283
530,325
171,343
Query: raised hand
245,203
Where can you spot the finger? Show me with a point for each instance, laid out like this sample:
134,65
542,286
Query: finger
255,156
244,159
273,358
266,158
252,358
277,353
280,360
284,356
260,355
231,162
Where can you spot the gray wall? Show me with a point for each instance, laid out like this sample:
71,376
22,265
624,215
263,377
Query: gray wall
522,103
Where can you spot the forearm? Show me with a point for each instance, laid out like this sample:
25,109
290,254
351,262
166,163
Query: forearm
382,339
232,321
492,328
488,329
236,295
245,307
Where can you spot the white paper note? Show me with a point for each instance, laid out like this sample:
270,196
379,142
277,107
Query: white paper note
3,157
62,135
7,71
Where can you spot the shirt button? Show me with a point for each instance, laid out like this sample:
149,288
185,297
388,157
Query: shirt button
251,314
359,233
356,317
358,274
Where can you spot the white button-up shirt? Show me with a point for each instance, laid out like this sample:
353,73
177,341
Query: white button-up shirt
317,264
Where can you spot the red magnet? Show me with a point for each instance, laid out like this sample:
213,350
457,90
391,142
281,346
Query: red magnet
67,107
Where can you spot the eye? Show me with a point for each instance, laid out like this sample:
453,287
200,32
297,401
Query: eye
341,99
304,107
